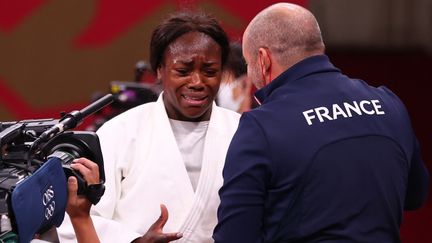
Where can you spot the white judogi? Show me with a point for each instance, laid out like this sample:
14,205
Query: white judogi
144,168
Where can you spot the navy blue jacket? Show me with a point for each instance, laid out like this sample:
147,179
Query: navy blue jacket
325,158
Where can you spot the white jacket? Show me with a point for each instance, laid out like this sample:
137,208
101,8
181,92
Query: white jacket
144,168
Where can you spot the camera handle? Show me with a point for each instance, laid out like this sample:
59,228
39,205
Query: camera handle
69,121
74,118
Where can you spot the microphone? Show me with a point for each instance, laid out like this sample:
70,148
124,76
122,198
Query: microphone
74,118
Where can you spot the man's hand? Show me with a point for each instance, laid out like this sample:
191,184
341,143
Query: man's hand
155,234
78,206
88,169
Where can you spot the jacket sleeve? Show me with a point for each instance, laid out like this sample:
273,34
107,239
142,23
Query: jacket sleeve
246,175
418,181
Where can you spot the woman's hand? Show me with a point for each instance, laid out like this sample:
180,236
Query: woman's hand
155,233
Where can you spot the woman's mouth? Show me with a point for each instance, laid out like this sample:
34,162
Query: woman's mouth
195,100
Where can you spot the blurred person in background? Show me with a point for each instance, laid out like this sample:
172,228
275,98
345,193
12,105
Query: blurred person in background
235,90
171,151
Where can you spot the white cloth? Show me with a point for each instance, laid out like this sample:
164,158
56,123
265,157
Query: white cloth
225,96
190,137
144,168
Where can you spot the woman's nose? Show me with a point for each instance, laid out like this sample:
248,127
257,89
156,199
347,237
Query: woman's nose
196,78
196,81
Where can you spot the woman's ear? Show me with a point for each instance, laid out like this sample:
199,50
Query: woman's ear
159,73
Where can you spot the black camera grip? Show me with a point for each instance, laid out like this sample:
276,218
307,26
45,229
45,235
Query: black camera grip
92,192
82,184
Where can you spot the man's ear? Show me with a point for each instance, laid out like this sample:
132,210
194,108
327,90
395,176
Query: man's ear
264,59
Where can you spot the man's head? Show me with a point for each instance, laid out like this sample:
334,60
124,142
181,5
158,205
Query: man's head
277,38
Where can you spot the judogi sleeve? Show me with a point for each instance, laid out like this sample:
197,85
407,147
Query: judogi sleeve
102,214
246,174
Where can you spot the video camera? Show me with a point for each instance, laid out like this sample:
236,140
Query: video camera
32,154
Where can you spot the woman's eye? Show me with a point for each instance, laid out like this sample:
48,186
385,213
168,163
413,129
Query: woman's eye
210,72
182,71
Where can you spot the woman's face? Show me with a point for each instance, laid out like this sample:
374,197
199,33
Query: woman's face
191,74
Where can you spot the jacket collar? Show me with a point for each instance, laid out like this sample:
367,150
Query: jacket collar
307,66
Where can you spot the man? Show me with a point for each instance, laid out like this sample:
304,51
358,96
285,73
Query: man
325,158
78,206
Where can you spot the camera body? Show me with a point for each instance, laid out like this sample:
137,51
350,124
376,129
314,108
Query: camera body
20,158
18,155
35,159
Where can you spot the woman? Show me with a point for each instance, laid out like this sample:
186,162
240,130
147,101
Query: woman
170,151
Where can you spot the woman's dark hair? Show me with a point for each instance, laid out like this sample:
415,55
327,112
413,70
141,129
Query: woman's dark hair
181,23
